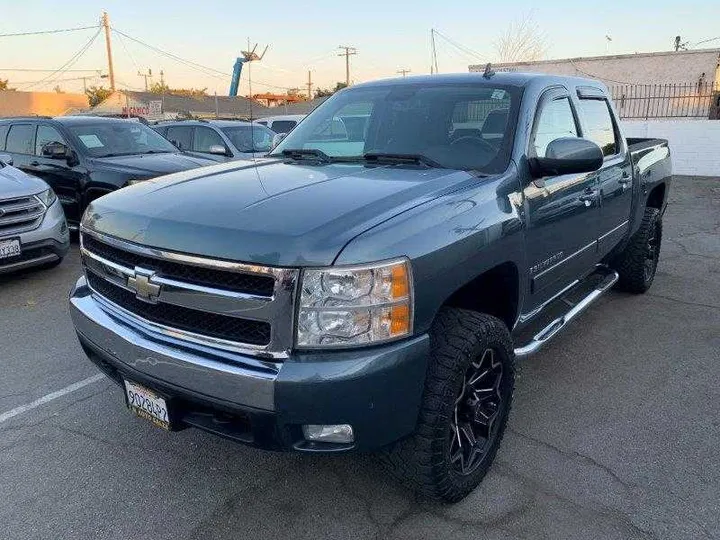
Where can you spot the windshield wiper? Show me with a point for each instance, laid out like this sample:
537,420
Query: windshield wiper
307,153
380,157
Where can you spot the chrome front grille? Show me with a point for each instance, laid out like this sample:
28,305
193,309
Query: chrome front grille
222,304
20,215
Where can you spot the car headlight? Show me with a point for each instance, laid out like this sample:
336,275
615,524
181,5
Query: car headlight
47,197
358,305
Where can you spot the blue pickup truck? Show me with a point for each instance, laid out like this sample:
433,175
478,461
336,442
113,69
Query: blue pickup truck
371,284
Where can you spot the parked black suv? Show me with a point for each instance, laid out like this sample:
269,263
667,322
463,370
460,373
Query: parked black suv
85,157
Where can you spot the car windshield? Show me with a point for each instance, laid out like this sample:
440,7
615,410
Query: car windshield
467,126
107,139
250,138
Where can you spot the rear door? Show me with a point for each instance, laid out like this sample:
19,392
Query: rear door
180,136
562,211
65,180
615,176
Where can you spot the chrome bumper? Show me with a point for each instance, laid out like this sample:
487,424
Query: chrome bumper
236,379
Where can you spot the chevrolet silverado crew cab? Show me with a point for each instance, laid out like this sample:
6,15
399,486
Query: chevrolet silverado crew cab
85,157
372,289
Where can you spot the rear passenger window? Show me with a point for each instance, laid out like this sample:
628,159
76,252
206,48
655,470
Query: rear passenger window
21,139
283,126
556,121
205,138
600,127
3,136
180,136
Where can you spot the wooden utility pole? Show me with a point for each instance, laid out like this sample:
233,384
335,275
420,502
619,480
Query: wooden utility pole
309,85
349,51
108,46
145,76
404,72
433,53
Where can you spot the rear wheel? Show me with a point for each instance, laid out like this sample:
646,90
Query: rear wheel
465,407
637,264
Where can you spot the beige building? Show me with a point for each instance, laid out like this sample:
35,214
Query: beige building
15,103
674,67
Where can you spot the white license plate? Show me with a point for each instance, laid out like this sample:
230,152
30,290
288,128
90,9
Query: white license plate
147,404
9,248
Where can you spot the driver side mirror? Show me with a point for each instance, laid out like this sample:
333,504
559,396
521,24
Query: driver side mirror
56,150
567,155
277,139
218,149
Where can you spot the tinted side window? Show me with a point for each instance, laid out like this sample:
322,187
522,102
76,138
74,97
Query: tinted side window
3,136
205,138
600,128
556,121
45,135
283,126
180,136
21,139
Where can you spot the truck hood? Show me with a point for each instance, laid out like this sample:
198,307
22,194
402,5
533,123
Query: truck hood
151,164
15,183
273,213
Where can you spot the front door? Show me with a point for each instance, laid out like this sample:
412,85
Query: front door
65,180
562,211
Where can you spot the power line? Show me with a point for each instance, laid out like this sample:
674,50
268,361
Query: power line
466,50
211,72
74,58
39,32
49,70
705,41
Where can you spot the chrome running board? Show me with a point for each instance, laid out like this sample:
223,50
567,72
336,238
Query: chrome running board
576,308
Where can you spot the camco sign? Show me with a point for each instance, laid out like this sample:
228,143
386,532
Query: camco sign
153,108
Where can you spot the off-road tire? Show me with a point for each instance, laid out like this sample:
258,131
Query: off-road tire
422,461
631,264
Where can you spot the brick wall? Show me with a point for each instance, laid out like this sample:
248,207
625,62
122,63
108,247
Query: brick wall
694,144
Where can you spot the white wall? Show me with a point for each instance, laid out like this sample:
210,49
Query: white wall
694,144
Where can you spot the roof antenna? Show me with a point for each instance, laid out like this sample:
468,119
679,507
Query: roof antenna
489,72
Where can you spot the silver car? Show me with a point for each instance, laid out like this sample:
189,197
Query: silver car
33,231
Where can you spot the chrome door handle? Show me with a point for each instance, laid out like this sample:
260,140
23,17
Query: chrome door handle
588,197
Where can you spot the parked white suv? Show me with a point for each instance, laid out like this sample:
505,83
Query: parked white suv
33,231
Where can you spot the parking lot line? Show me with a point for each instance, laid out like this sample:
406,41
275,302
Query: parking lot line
49,397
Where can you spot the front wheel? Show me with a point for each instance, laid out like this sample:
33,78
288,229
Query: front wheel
465,407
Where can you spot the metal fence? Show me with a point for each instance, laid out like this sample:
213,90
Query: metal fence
699,100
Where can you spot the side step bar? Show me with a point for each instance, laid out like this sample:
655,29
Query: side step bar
561,322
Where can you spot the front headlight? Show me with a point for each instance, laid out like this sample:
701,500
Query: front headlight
47,197
359,305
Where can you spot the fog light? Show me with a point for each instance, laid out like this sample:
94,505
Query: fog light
338,433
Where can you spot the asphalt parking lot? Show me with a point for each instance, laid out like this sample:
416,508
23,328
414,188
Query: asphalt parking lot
614,434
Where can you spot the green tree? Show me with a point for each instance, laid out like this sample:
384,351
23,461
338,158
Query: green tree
325,92
97,94
162,88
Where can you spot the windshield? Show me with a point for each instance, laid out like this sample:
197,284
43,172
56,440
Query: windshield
456,126
105,139
247,138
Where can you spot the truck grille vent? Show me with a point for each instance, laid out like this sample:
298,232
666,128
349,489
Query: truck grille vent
20,215
198,275
182,318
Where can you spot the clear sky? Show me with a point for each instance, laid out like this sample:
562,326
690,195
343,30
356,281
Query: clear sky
389,35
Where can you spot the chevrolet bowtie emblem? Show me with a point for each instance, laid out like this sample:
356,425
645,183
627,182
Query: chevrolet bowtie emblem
144,288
